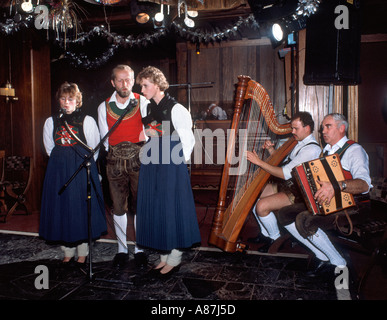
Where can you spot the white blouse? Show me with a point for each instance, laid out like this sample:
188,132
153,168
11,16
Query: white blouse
90,130
182,121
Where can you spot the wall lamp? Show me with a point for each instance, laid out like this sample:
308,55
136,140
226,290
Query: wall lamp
7,91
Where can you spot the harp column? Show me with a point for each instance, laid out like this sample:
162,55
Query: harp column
221,206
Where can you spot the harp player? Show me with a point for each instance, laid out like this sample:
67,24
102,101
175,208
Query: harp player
277,195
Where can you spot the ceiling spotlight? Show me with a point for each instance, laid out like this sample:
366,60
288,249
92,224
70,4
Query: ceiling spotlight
159,16
158,20
188,21
277,32
142,17
27,6
286,30
192,13
142,12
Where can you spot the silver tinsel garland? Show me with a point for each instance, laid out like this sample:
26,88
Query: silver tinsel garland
63,19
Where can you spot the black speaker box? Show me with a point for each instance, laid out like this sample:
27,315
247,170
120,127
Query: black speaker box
333,54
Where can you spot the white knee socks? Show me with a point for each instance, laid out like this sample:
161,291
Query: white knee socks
120,225
320,245
136,249
293,230
270,225
322,242
263,230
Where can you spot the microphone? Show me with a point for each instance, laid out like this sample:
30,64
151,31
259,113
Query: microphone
132,103
61,113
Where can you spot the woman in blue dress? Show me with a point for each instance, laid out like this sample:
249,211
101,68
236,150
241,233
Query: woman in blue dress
166,214
64,217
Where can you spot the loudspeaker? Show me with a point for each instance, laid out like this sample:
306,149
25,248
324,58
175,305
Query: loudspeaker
333,44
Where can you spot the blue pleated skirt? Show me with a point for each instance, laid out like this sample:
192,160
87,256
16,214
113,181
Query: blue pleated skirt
64,218
166,214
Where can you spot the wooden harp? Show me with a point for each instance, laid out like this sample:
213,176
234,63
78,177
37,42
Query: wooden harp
254,115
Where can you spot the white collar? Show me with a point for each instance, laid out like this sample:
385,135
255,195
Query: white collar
113,98
337,146
306,140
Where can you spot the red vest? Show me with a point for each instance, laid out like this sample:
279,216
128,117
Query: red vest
130,128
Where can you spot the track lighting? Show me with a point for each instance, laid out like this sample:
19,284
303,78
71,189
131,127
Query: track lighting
159,18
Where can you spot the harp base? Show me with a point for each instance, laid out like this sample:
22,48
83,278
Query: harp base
225,245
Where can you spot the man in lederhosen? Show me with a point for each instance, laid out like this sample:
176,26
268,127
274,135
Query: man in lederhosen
308,228
122,161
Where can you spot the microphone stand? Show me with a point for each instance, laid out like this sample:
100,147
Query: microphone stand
189,86
87,164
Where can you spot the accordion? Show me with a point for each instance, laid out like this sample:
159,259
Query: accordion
327,168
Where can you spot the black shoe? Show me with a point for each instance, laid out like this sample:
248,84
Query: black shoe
71,261
69,264
165,276
120,260
140,260
267,244
154,273
82,264
321,268
258,239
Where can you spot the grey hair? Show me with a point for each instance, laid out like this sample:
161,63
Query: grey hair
340,119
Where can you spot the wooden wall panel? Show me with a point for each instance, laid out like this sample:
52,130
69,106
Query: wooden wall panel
202,72
5,109
30,62
40,111
222,63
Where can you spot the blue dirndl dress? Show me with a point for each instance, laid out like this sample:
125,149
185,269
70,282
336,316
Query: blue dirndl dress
166,214
64,218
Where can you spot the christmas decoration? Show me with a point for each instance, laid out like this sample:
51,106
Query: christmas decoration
65,27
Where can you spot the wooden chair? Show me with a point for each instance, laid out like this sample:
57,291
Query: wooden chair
14,184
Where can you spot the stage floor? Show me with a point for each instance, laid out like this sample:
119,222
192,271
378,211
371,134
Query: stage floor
207,273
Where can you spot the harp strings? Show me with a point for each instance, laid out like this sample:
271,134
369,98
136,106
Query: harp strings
256,133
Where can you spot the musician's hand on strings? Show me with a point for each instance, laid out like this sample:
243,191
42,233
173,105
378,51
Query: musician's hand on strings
269,146
325,193
253,157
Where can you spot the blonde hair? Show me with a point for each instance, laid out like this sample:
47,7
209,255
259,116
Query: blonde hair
72,90
122,67
155,76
